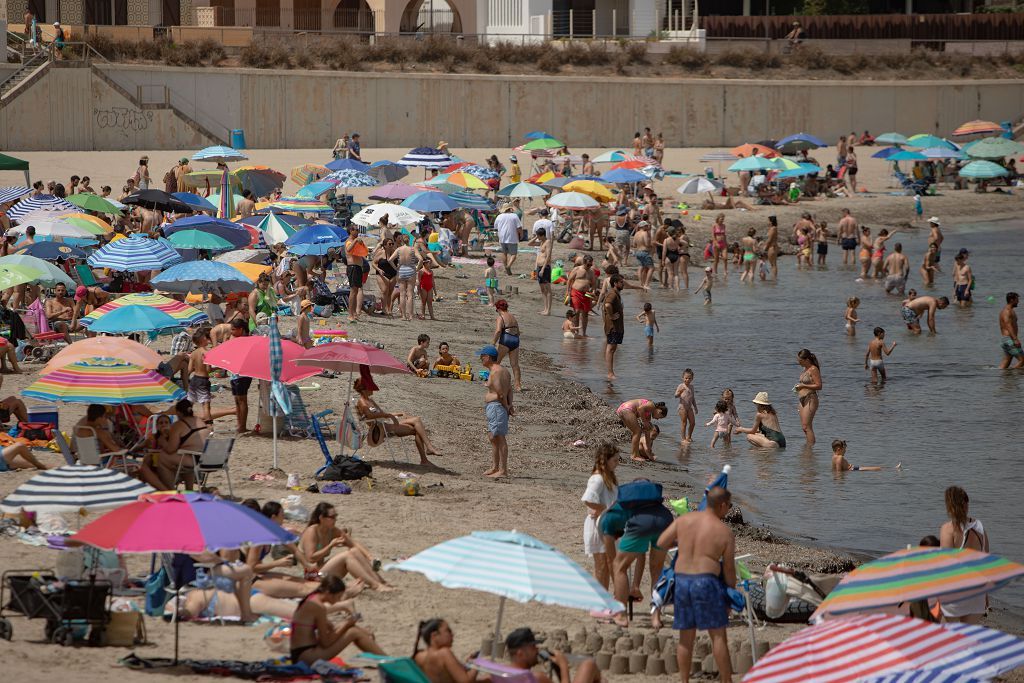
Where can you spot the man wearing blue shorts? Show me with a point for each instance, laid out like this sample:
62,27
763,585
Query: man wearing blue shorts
704,568
498,408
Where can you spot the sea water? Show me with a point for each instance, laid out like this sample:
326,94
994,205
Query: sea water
947,412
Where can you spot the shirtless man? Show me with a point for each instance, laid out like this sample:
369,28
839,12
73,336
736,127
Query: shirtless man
913,309
962,279
897,268
1008,328
498,408
406,261
542,266
930,264
848,237
60,309
771,246
199,375
642,251
704,568
247,206
151,219
936,236
580,283
417,358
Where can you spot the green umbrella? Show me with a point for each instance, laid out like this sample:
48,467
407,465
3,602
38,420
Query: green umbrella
543,143
197,239
20,269
92,202
983,170
85,225
994,148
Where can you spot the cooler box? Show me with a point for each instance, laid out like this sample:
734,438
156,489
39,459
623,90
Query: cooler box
238,139
43,413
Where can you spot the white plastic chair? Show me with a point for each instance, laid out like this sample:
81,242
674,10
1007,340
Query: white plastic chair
89,452
213,458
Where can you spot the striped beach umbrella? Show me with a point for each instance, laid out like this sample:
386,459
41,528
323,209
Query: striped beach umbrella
281,402
466,180
918,574
994,148
523,189
120,348
274,230
13,193
43,201
426,157
983,170
75,487
300,205
186,315
978,127
104,380
308,173
469,200
133,254
218,154
869,646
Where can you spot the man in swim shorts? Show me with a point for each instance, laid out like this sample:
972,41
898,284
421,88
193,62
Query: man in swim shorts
913,309
897,267
542,266
647,521
498,408
614,325
581,283
848,236
642,249
1010,343
705,568
199,387
963,278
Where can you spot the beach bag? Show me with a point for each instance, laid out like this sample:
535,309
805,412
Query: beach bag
639,493
613,521
347,468
35,431
156,592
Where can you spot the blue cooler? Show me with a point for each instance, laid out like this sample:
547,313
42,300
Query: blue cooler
238,139
46,412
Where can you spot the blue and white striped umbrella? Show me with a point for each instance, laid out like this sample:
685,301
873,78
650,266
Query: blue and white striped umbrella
427,157
350,178
203,277
281,402
470,200
75,487
42,202
219,153
135,253
480,172
13,192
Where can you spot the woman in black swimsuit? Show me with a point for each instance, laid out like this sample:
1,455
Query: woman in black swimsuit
188,434
315,637
386,273
672,257
684,253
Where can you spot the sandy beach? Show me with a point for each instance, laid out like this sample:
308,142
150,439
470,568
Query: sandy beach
548,472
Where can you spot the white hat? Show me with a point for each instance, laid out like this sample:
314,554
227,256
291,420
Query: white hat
707,269
934,220
761,399
56,23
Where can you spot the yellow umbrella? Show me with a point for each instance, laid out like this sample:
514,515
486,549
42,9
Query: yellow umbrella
251,270
95,220
591,188
466,180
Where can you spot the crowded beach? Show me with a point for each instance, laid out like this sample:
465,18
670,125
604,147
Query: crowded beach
396,452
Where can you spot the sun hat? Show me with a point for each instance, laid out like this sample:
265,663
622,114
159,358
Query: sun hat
375,435
761,399
489,350
934,220
508,207
306,303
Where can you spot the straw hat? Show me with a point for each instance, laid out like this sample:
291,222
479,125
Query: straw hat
762,399
376,435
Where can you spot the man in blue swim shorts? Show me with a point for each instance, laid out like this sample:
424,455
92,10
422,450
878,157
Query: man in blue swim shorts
704,569
497,407
1010,343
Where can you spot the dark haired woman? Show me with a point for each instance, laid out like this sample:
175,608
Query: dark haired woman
765,432
636,415
314,637
807,391
321,536
437,661
963,531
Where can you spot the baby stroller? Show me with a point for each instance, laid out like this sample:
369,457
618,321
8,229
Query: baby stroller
69,607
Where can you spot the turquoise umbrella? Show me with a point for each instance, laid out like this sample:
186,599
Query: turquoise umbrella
198,239
907,155
923,140
983,170
524,189
753,164
891,139
995,148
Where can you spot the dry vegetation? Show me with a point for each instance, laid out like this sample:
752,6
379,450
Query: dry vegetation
444,55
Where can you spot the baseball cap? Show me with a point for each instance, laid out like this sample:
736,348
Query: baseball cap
520,637
622,211
489,350
81,292
934,220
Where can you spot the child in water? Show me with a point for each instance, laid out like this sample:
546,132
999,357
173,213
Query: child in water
650,323
841,464
570,330
491,279
873,357
723,422
706,286
687,406
851,315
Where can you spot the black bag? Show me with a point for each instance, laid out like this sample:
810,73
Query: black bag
347,468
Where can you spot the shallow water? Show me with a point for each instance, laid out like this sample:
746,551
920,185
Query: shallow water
947,413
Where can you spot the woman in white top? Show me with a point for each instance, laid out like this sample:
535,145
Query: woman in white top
602,491
962,531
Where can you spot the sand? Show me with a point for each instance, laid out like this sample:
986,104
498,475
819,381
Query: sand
549,473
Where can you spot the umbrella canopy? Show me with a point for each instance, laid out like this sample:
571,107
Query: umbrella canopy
480,172
300,205
616,156
753,150
307,173
120,348
427,157
369,216
347,165
537,135
234,234
94,224
250,270
12,193
293,221
887,152
574,201
541,144
800,170
799,141
43,201
180,523
275,230
700,185
466,180
351,178
134,318
632,165
977,127
259,180
994,148
907,155
316,239
891,139
753,163
52,251
104,380
394,191
75,487
923,140
186,315
719,155
591,188
623,175
468,200
216,198
315,189
193,200
524,189
983,170
440,184
387,171
198,239
20,269
157,200
348,356
55,227
133,254
429,202
206,277
250,357
92,202
865,646
943,153
219,154
917,574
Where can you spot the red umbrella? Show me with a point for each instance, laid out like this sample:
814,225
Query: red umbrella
455,167
250,357
632,165
348,356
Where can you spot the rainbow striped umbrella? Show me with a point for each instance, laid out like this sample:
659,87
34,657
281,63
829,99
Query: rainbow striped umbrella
104,380
978,127
918,574
300,205
186,315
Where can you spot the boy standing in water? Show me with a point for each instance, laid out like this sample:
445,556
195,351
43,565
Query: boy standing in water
687,406
963,278
873,357
650,324
706,286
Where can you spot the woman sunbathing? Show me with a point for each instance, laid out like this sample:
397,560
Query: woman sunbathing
394,424
322,535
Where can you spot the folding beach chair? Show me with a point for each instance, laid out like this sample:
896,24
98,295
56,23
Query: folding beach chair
89,452
300,421
214,457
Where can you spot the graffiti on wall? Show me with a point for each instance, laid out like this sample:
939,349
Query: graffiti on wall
124,119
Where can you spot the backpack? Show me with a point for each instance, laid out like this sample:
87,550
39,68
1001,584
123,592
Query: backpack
347,467
638,493
156,592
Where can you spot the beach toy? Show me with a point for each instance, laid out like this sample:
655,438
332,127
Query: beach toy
411,487
556,273
278,637
685,212
990,299
680,506
696,217
462,297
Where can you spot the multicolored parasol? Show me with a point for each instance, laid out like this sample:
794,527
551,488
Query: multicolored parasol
104,380
186,315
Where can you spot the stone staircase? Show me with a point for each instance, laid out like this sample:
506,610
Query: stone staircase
32,68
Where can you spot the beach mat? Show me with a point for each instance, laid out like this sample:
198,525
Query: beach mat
266,670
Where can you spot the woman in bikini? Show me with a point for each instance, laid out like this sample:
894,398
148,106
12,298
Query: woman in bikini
765,432
866,245
878,251
671,246
394,424
506,338
807,391
719,245
684,254
314,637
386,272
437,661
749,257
963,531
263,564
188,433
636,415
321,536
660,235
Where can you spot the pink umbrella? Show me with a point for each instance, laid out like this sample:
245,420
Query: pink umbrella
250,357
393,191
348,356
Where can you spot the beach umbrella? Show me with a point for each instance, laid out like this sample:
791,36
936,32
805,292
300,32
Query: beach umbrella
799,141
610,157
134,318
133,254
300,205
251,270
440,184
479,171
994,148
753,163
257,256
157,200
347,356
369,216
307,173
978,127
543,178
199,239
92,202
753,150
426,157
559,182
287,218
591,188
219,154
907,155
513,566
574,201
250,357
275,229
700,185
524,189
887,152
236,235
891,139
13,193
19,269
316,239
542,144
466,180
315,189
719,155
52,251
394,190
918,574
983,170
800,170
42,202
196,202
93,224
56,227
347,165
259,180
350,178
468,200
922,140
943,153
622,175
631,165
204,277
104,380
120,348
537,135
186,315
387,171
865,646
430,202
72,488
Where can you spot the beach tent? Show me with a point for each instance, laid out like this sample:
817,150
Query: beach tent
11,164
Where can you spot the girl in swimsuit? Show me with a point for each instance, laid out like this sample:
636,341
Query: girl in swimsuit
660,235
764,433
807,391
386,272
321,536
684,254
749,257
672,257
719,246
438,662
314,637
636,415
865,251
878,251
506,338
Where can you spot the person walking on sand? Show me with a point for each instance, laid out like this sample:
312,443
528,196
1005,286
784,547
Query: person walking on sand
705,568
614,325
498,408
506,338
542,266
963,531
847,236
873,357
508,226
600,494
1010,343
807,389
913,308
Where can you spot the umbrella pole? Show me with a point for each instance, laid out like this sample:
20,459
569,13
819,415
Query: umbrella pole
273,420
497,630
348,397
750,623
